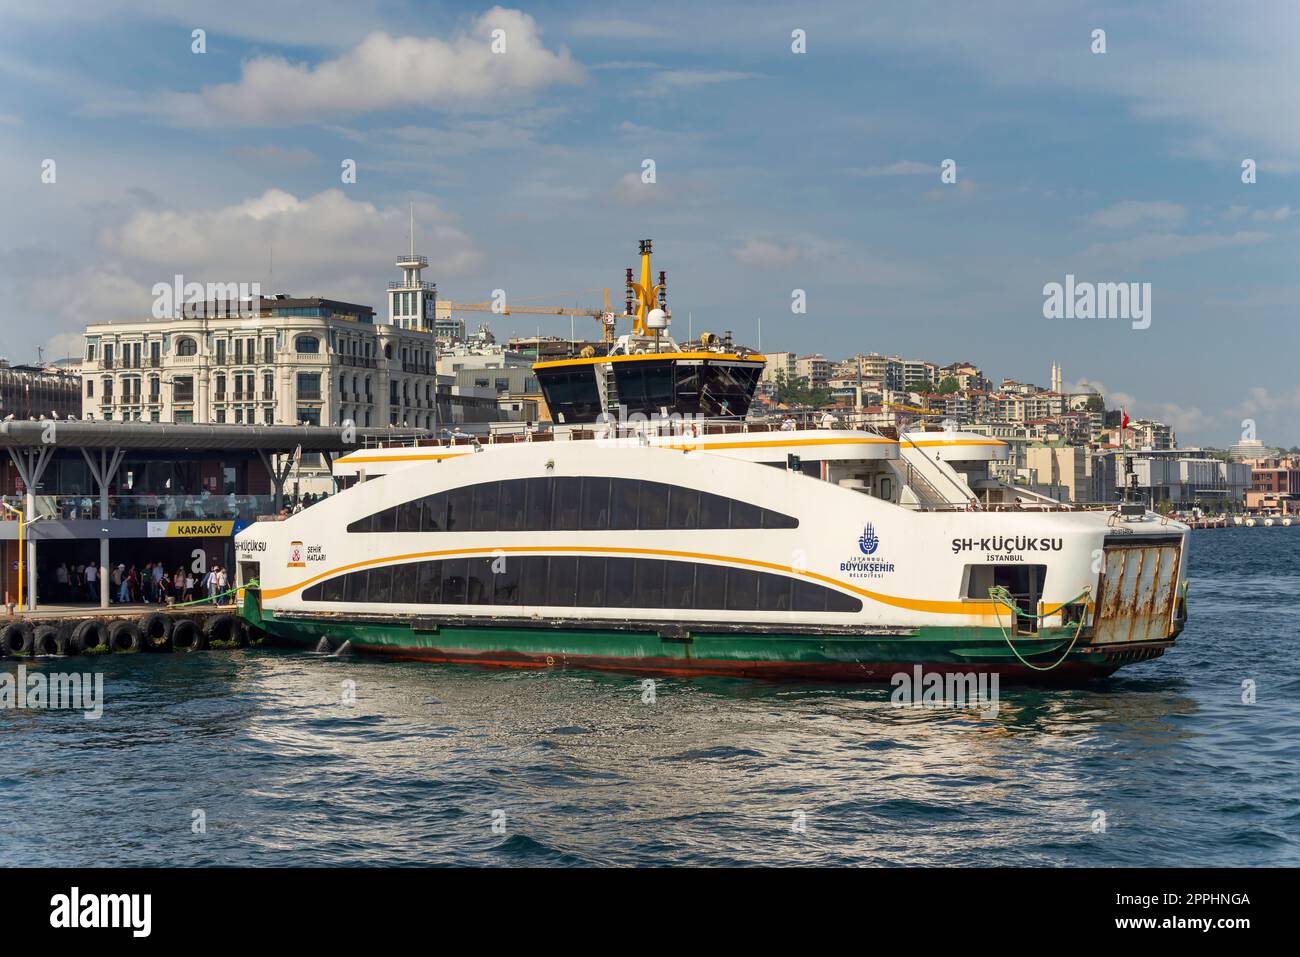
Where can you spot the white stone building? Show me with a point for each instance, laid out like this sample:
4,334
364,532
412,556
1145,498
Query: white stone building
278,360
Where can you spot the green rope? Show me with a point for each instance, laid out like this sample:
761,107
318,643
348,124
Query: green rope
204,601
1001,596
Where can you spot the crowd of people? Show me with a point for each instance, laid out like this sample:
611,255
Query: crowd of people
150,584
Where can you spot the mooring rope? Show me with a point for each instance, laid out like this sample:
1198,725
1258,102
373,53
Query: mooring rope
1000,595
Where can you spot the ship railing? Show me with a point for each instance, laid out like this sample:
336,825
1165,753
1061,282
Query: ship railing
509,433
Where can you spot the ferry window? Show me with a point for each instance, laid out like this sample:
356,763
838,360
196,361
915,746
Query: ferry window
595,503
380,585
623,504
680,587
332,589
453,581
435,513
428,586
567,502
726,390
404,583
715,511
505,583
586,581
774,592
654,507
480,590
539,505
773,519
618,583
645,386
649,583
742,589
809,596
460,507
683,508
487,506
591,581
710,586
355,587
532,580
688,388
591,503
511,508
564,580
744,515
408,516
571,395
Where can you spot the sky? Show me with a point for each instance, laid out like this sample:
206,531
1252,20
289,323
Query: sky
794,147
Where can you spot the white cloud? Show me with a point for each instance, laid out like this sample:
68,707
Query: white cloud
1181,418
614,29
962,189
315,239
901,168
1166,246
756,252
96,292
1130,213
630,191
1272,215
269,154
382,73
673,81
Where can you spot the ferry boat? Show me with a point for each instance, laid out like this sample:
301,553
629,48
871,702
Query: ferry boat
656,529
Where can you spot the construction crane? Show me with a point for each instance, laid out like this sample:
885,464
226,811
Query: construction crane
602,315
910,408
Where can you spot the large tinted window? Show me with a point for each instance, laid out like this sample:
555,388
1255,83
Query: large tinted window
714,389
571,393
584,581
563,503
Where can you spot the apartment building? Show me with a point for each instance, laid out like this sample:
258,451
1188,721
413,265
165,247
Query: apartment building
814,370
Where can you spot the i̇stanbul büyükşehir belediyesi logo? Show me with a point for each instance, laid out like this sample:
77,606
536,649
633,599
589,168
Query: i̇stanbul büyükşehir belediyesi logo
869,541
867,567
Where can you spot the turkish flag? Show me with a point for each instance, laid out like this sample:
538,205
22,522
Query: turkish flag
1123,419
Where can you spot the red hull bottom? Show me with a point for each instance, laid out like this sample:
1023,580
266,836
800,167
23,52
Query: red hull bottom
1067,673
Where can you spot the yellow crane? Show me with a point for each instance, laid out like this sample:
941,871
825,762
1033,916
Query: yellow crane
602,315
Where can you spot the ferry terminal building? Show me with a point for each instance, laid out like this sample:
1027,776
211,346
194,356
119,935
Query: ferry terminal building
134,492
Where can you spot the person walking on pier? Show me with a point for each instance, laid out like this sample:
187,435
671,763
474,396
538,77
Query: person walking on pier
91,575
159,589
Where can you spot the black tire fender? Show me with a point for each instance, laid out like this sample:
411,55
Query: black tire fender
87,634
124,637
16,638
188,636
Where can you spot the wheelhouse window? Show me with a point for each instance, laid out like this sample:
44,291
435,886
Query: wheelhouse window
587,581
571,393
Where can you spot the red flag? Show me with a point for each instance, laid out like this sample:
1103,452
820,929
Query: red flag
1123,419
